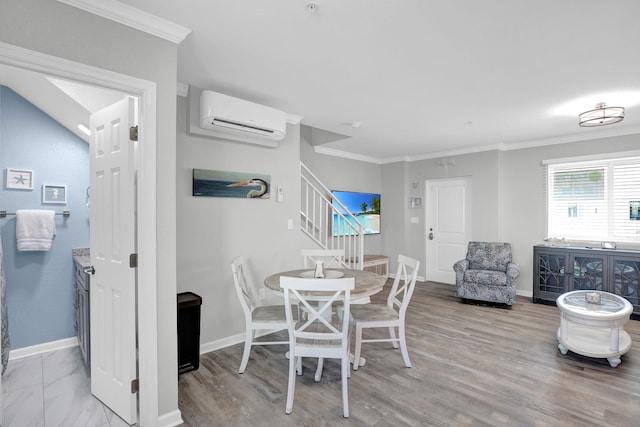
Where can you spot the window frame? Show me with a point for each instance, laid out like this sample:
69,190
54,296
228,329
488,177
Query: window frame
611,224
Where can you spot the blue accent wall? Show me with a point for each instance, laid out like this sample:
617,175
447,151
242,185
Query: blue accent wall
40,285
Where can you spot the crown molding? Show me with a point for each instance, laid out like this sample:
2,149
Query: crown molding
345,155
131,17
587,135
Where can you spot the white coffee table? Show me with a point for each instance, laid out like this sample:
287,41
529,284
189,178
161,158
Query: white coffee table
594,330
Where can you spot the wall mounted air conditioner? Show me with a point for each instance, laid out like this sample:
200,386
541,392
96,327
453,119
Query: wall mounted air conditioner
225,113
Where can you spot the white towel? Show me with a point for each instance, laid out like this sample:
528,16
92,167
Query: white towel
35,229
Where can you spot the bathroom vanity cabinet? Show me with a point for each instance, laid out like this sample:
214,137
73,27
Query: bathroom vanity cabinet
82,281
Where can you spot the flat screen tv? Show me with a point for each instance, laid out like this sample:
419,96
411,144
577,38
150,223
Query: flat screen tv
365,207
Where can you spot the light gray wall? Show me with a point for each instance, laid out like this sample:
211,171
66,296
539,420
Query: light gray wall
212,231
395,221
484,170
508,197
57,29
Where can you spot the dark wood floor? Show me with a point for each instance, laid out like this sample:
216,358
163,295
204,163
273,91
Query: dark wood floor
473,365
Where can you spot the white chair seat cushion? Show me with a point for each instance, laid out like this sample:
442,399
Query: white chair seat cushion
373,312
319,327
271,314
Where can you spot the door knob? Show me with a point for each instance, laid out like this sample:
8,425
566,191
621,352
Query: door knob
431,234
89,270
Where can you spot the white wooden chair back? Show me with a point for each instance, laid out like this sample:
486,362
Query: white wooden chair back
242,289
330,257
318,326
403,284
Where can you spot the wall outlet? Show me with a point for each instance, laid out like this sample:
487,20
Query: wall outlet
262,293
290,224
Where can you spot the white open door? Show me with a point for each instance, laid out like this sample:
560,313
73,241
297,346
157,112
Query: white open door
112,235
448,213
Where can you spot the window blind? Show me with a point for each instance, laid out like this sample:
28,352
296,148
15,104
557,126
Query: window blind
594,200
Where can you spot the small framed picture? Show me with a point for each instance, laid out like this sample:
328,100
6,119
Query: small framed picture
56,194
415,202
19,179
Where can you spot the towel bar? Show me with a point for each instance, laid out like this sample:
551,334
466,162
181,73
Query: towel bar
65,214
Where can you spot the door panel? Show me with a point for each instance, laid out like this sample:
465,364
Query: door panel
448,226
112,235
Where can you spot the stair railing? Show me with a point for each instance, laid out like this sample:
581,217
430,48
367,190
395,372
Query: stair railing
328,222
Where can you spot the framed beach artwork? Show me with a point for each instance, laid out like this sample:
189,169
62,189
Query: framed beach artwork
364,209
212,183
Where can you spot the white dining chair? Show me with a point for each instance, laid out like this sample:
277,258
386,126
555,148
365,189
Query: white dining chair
390,315
257,318
321,334
330,257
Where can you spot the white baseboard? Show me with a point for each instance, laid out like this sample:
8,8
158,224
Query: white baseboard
528,294
46,347
227,341
170,419
221,343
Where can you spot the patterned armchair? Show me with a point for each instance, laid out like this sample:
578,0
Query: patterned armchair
487,274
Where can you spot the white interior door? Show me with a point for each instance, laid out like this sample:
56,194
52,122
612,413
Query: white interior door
112,235
448,213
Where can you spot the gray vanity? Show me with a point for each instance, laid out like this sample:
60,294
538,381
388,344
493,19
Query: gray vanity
82,259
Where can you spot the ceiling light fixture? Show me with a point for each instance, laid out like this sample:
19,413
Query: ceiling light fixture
601,116
312,6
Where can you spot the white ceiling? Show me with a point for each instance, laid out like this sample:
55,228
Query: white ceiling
424,78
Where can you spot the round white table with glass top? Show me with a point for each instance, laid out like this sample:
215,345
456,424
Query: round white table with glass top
592,324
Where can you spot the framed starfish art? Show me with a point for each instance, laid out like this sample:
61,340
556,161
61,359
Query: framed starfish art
19,179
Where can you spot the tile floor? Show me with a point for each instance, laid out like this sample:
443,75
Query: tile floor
51,390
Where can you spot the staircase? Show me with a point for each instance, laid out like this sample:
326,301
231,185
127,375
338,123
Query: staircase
320,218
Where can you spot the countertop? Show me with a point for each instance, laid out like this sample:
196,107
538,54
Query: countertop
82,256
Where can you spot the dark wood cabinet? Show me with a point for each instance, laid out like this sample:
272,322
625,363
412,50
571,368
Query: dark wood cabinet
82,280
563,269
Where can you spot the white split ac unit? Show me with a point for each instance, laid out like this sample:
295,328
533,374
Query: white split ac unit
225,113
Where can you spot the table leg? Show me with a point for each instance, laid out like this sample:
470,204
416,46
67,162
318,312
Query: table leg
563,328
563,349
614,361
614,341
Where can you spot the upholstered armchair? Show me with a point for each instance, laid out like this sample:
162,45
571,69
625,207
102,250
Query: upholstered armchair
487,273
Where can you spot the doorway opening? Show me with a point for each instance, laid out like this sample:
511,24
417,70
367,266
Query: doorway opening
146,271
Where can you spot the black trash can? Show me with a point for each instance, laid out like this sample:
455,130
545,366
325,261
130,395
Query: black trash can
188,331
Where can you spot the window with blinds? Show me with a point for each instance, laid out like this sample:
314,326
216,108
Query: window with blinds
594,200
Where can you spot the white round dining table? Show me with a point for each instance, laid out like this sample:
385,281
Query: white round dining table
367,283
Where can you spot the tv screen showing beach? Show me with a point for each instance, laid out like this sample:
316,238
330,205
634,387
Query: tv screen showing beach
365,207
